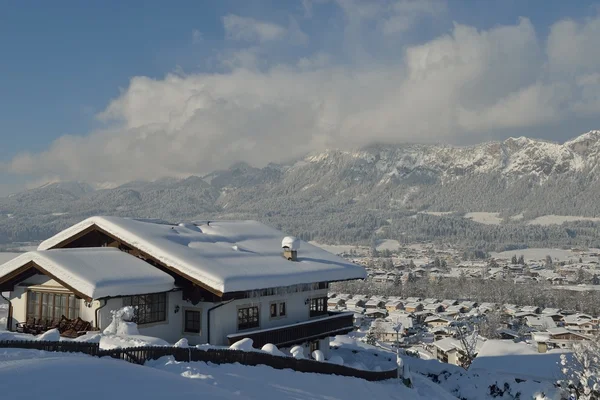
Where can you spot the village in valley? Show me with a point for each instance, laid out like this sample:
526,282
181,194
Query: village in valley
438,328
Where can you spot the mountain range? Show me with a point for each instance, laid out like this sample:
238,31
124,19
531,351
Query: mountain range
354,196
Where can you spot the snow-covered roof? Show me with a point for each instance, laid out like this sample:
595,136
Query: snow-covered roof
227,256
508,357
96,272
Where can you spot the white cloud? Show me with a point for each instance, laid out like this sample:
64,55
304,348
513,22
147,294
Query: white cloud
251,30
465,84
197,36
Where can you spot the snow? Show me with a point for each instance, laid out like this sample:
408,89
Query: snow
273,350
96,272
291,242
388,244
106,378
538,254
204,251
53,335
318,355
546,220
108,342
6,256
488,218
244,345
182,343
520,359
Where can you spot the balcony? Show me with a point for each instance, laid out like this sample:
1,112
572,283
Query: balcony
288,335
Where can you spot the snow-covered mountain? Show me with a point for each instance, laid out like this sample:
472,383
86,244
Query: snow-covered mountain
352,192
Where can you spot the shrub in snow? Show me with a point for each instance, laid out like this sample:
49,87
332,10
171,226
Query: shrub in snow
318,355
297,352
53,335
89,338
244,345
182,343
336,360
272,349
582,369
121,322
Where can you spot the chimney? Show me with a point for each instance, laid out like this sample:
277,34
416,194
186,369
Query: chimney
290,247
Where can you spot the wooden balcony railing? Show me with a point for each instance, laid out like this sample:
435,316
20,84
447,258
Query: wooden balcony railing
288,335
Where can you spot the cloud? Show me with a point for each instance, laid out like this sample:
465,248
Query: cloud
197,36
460,87
251,30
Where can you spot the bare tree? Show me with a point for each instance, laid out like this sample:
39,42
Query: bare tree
468,336
490,324
582,369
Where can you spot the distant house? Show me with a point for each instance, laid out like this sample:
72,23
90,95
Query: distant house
506,333
436,321
434,307
413,307
355,303
557,337
375,313
430,300
448,302
210,282
336,302
394,305
551,311
540,322
531,309
413,300
452,351
374,303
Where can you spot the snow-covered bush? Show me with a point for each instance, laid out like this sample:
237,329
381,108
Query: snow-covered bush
582,369
297,352
53,335
122,322
318,355
182,343
244,345
272,349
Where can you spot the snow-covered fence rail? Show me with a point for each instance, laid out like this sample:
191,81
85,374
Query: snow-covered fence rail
139,355
63,347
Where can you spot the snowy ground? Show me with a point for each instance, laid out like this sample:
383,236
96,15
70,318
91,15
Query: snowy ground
100,379
539,254
487,218
546,220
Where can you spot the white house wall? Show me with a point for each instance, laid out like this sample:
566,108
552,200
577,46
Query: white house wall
224,319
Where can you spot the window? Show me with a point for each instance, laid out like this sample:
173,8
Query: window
277,309
149,308
52,306
318,306
282,309
192,321
248,318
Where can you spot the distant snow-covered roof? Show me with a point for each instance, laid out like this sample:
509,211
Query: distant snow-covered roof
96,272
227,256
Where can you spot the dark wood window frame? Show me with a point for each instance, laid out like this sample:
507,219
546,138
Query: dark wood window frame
50,310
277,309
248,317
318,306
192,321
149,308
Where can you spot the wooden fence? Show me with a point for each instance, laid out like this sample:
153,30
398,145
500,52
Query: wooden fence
139,355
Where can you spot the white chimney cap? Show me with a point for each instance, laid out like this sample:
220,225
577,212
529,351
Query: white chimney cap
291,242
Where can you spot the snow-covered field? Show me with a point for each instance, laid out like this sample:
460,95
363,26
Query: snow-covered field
546,220
99,379
488,218
539,254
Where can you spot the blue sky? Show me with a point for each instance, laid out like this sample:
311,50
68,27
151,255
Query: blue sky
67,68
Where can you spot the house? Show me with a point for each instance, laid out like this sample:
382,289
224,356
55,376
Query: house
506,333
551,311
581,323
448,303
434,307
336,302
531,309
413,300
375,313
209,282
540,323
469,304
435,321
394,305
452,351
355,303
430,301
374,303
557,338
413,307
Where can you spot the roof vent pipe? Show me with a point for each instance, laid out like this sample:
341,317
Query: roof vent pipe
290,246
